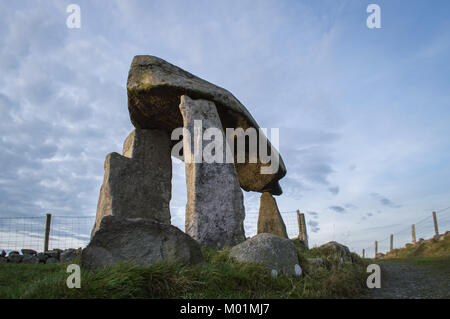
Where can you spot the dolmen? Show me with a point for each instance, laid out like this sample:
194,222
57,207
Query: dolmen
178,114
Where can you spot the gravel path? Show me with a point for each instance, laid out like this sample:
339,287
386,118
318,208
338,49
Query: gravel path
403,278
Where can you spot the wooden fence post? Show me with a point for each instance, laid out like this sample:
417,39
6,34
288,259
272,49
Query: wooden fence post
391,246
302,235
413,231
376,248
364,254
47,231
436,230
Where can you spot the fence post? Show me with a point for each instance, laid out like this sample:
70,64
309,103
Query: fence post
391,247
364,254
436,230
47,231
376,248
413,231
302,235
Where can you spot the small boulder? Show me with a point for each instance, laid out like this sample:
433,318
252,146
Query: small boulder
68,255
142,241
13,252
270,250
42,257
337,250
15,258
29,252
51,260
3,254
30,259
52,254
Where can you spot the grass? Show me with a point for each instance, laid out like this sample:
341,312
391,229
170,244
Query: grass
427,248
218,277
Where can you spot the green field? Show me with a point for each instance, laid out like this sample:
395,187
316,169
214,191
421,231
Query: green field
218,277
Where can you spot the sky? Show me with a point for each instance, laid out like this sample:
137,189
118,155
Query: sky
363,114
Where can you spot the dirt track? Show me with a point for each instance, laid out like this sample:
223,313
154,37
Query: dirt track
409,279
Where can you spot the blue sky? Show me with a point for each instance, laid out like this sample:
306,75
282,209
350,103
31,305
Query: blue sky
363,113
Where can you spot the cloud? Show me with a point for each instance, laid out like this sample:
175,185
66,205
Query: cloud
385,201
314,226
337,209
313,214
334,190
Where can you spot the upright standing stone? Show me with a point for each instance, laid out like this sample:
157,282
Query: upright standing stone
138,184
269,219
214,211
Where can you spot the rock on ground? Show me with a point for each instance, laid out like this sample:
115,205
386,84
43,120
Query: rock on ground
154,89
51,260
139,240
338,250
15,258
138,184
269,218
215,210
30,259
68,255
270,250
29,252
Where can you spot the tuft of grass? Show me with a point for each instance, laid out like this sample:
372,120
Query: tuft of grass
218,277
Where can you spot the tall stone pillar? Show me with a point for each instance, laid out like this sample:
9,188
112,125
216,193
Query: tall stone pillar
138,184
269,219
215,210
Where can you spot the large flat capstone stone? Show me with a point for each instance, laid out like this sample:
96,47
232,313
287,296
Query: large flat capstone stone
142,241
269,219
138,184
154,89
214,210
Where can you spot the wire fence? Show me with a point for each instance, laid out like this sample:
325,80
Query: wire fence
424,229
17,233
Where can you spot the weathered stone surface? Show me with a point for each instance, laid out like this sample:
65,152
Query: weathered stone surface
15,258
51,260
29,252
269,218
42,257
140,240
30,259
337,250
3,260
270,250
52,253
13,252
316,261
138,184
154,89
68,255
215,210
